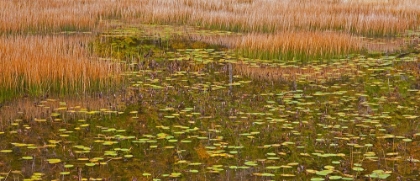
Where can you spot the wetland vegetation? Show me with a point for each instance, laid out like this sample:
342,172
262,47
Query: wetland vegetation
210,90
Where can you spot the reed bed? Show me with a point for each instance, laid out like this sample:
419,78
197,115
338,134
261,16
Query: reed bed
46,16
285,46
363,17
297,45
42,65
373,18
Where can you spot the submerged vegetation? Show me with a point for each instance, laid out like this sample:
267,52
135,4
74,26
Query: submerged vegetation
200,90
300,30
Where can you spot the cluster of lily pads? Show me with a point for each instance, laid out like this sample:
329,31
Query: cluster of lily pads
195,116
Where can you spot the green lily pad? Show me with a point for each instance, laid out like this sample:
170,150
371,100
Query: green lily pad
54,161
27,158
358,169
324,172
90,164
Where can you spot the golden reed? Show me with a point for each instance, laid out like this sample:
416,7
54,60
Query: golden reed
37,64
365,17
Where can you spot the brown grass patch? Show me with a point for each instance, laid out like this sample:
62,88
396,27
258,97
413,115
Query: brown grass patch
301,45
38,65
371,17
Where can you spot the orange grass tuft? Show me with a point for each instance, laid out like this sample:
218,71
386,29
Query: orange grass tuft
299,45
38,65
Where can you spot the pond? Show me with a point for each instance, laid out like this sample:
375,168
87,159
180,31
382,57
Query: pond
196,111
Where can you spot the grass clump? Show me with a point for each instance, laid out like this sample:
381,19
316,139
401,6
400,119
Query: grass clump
56,64
297,45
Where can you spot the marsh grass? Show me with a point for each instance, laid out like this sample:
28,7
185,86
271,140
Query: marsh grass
372,18
56,64
298,45
376,18
288,46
